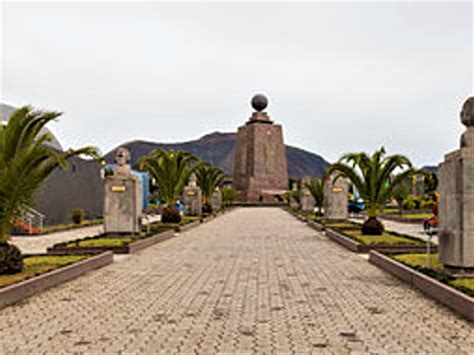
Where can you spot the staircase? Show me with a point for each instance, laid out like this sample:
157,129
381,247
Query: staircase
29,223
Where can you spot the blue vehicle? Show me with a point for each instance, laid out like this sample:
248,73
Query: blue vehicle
356,204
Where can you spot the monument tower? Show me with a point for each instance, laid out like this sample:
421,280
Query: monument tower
260,170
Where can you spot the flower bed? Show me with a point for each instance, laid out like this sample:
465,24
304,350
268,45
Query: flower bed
124,244
349,234
118,244
45,271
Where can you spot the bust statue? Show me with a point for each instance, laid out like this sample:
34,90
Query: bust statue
122,163
467,119
192,180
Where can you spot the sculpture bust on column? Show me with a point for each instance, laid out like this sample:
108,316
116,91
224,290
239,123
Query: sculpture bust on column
456,210
123,199
307,201
192,197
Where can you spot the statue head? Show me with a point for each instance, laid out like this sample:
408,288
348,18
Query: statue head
122,156
467,113
467,119
193,180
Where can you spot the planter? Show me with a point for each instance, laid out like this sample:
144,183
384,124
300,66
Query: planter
131,248
21,290
358,247
315,225
189,226
449,296
345,241
399,219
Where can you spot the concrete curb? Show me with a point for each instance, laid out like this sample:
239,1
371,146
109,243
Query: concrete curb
128,249
24,289
449,296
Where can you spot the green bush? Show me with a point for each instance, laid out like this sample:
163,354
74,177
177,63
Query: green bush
77,215
428,204
171,215
412,203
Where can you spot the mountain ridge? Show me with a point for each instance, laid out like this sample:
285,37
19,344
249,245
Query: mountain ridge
217,148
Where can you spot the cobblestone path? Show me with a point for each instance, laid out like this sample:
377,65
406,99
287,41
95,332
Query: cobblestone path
253,281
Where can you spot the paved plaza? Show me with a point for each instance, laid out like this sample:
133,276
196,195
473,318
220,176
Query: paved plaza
39,243
255,280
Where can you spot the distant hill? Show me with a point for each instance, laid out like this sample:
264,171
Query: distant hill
218,149
430,169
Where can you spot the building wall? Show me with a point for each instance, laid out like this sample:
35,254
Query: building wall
80,186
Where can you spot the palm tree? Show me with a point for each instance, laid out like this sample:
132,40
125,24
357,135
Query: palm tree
25,164
170,171
371,176
208,179
229,194
401,192
316,188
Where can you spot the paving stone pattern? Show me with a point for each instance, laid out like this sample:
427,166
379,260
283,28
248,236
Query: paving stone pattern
252,281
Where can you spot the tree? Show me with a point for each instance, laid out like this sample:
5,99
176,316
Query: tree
371,177
401,192
25,164
229,194
316,188
170,171
430,183
208,179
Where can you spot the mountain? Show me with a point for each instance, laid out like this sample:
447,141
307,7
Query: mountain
218,149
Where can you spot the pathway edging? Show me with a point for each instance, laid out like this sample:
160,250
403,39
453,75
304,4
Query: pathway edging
449,296
24,289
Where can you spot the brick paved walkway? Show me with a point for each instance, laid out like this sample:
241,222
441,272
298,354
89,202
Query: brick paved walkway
254,280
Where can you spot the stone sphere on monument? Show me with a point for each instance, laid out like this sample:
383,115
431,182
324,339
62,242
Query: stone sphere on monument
259,102
467,113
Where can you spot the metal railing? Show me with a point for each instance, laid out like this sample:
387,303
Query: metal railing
33,220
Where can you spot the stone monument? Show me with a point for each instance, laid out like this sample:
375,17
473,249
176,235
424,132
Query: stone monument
216,199
456,210
294,204
336,196
192,198
260,170
123,200
307,200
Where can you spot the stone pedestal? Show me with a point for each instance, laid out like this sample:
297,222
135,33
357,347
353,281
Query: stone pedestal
307,200
456,210
122,205
192,198
260,170
336,199
216,200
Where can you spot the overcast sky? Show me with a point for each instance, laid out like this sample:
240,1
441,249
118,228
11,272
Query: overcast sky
340,77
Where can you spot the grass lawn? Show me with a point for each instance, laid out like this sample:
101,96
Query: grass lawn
385,238
418,262
353,231
37,265
61,227
421,215
100,242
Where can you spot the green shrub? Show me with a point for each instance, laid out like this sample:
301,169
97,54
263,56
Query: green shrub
428,204
412,203
171,215
77,215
